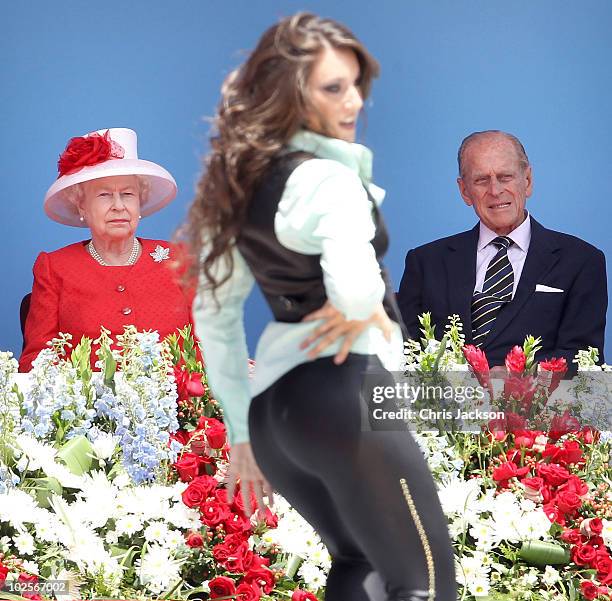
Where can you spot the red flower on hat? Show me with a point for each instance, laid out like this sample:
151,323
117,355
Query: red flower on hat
86,151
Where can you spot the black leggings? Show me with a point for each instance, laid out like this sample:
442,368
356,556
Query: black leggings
368,494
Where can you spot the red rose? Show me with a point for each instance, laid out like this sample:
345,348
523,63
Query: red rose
573,537
188,467
198,490
603,564
248,591
563,424
232,552
236,522
188,384
506,471
570,452
221,586
553,474
588,435
85,151
181,436
592,526
270,519
479,364
215,433
553,513
516,360
524,438
195,540
262,577
558,367
299,595
214,512
589,590
29,578
575,485
568,502
583,555
3,573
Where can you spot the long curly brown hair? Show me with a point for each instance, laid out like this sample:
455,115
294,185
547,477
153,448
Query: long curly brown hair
263,103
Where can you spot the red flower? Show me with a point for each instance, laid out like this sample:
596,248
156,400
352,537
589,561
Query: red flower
589,590
603,564
86,151
553,474
576,485
195,540
525,438
568,502
189,466
516,360
221,586
23,577
570,452
248,591
553,513
506,471
573,537
188,384
3,573
198,490
560,425
583,555
236,522
478,362
215,433
232,553
558,367
591,527
262,577
214,512
299,595
270,519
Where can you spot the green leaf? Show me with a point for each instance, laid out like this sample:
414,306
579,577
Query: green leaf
45,487
76,454
541,553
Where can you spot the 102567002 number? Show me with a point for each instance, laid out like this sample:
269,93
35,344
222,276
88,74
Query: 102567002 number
45,587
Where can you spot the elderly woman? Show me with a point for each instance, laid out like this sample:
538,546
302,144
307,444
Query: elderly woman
114,278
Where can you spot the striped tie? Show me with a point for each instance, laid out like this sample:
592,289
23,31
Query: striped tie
496,291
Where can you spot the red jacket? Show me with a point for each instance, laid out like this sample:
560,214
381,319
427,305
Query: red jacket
74,294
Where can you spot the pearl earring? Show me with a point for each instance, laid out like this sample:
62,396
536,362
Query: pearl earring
139,216
81,218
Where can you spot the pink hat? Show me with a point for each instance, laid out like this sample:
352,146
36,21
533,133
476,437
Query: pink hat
105,153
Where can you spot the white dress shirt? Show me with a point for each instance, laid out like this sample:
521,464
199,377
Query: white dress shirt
517,252
324,210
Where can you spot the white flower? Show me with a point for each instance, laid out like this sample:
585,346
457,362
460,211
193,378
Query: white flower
157,570
129,525
314,577
160,254
104,445
31,567
156,532
111,537
606,532
479,587
551,576
24,543
456,495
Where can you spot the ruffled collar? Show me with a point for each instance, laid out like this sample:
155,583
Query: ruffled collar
356,157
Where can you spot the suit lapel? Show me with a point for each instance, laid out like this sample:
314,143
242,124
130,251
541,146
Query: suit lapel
541,257
461,274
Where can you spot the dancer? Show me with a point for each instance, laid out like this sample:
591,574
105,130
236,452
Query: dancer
286,200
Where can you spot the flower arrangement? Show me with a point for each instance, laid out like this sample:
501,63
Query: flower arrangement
112,482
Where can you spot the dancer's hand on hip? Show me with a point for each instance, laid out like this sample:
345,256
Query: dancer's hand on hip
335,326
243,467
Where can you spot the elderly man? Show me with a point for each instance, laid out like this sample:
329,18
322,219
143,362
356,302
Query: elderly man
508,276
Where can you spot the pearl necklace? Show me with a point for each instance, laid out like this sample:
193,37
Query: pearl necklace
131,260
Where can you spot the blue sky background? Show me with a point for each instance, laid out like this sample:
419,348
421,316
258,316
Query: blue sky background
540,70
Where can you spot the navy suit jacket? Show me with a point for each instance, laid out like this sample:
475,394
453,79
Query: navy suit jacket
440,277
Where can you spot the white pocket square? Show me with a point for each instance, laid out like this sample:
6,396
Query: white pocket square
544,288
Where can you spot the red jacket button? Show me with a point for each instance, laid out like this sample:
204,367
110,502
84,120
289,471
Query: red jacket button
120,288
126,311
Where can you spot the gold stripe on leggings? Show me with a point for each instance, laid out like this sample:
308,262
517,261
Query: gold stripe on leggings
424,540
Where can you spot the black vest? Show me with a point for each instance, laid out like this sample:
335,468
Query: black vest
292,282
